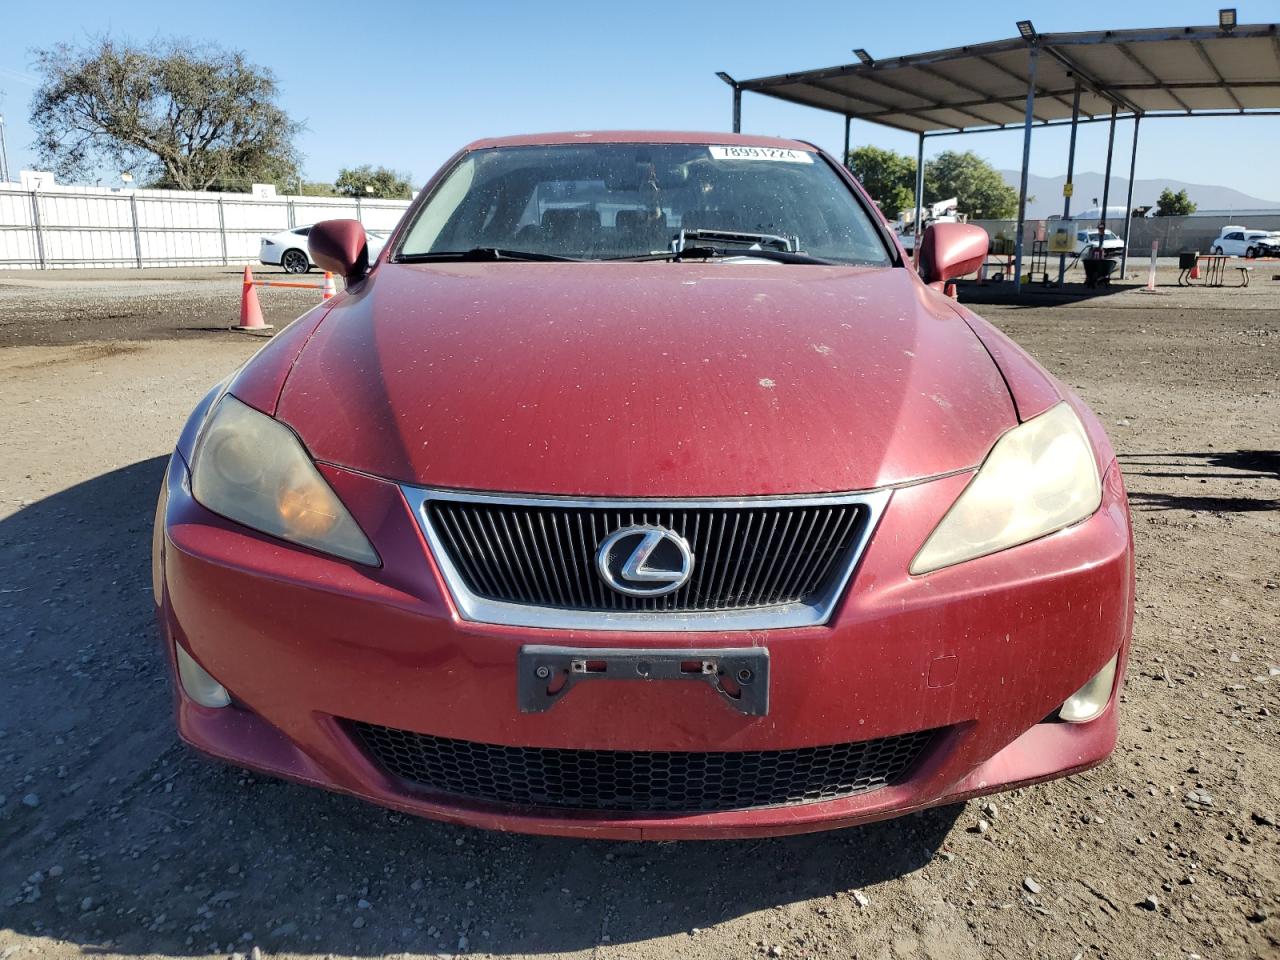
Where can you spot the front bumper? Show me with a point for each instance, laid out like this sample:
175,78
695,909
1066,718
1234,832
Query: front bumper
983,652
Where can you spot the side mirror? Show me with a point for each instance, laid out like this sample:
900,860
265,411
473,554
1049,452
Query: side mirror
340,246
950,250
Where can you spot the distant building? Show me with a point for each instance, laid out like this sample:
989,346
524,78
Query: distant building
1238,213
1094,213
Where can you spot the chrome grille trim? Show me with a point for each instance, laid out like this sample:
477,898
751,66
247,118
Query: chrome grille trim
519,578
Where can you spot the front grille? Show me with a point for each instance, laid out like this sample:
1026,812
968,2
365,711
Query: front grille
745,556
641,781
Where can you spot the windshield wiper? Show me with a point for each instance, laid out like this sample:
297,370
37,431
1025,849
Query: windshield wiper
479,254
705,252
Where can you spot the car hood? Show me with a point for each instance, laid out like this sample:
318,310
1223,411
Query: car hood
646,379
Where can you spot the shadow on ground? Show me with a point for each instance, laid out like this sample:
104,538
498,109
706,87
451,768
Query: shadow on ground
1072,291
1208,467
112,836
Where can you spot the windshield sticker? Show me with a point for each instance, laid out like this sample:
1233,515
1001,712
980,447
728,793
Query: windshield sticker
760,153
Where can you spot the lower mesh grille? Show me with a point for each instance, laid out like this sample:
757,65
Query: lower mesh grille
640,781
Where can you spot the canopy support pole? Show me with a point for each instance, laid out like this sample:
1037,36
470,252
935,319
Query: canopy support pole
1106,185
916,232
737,99
1128,202
1071,170
1026,160
844,158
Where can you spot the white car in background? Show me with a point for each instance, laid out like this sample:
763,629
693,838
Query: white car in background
288,249
1236,241
1087,242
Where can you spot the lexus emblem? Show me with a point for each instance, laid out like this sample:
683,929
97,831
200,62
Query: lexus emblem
644,561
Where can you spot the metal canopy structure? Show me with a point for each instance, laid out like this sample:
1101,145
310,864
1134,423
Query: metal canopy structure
1040,80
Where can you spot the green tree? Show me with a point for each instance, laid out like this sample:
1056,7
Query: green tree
1173,204
370,181
318,188
890,178
887,175
187,116
982,192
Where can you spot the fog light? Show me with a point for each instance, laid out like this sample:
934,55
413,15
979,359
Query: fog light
1089,701
197,682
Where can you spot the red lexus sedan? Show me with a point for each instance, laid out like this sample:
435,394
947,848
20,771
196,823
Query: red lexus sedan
641,489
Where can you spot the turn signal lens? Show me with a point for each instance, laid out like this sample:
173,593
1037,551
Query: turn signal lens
1090,700
251,469
306,511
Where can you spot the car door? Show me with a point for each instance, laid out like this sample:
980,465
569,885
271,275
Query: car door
298,240
1233,243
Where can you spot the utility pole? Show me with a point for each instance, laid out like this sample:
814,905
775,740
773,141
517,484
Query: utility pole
4,155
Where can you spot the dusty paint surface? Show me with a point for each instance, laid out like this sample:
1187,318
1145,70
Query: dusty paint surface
651,379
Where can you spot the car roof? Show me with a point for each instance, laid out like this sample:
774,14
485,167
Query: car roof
637,136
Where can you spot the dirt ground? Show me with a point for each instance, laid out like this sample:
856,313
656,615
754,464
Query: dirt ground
116,841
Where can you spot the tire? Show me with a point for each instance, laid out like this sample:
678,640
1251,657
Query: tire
295,261
1250,254
1217,251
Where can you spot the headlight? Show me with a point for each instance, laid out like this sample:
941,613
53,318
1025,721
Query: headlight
1038,478
251,469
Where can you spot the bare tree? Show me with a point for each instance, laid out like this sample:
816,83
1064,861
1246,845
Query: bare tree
175,114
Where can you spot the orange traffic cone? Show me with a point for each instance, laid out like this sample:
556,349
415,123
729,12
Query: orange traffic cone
250,309
1195,270
328,290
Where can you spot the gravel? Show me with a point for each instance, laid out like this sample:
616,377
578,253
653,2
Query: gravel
165,855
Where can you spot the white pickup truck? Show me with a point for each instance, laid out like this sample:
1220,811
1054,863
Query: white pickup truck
944,211
1087,241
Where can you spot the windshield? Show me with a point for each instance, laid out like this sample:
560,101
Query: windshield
603,201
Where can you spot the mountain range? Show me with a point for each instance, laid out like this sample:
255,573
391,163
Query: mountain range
1048,193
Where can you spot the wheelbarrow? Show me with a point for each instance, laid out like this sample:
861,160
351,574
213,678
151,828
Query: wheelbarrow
1097,271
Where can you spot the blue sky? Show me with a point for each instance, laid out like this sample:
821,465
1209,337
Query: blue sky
404,84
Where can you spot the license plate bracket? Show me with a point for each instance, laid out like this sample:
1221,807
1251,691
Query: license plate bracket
740,676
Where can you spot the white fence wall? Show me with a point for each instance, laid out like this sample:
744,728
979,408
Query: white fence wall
59,226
